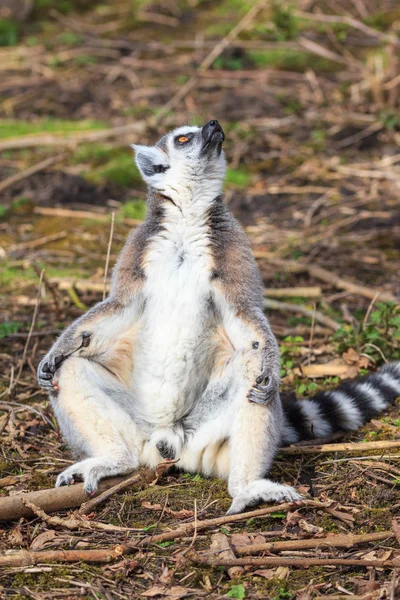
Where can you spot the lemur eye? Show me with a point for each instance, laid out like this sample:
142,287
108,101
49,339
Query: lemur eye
183,139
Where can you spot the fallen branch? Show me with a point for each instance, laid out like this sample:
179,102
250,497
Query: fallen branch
298,308
78,214
72,523
189,528
349,286
40,166
26,558
333,541
345,447
91,504
54,499
294,292
278,561
54,237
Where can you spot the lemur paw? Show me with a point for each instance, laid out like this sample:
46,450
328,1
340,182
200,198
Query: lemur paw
86,470
262,490
263,394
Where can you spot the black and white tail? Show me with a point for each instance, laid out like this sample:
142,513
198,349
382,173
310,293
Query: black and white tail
345,408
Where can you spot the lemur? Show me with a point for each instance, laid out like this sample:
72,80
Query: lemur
180,361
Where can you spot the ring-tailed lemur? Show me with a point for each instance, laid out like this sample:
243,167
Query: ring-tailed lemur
180,361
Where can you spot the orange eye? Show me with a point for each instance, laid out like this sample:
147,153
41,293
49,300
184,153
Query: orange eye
183,139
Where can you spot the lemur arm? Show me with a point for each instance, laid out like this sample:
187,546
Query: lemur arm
94,332
239,298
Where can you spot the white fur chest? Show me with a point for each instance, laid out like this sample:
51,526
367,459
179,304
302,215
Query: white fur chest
177,265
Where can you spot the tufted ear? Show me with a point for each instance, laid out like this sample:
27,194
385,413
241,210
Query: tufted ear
151,161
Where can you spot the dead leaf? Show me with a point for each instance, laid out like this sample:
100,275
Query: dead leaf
282,572
309,528
396,529
266,573
15,537
161,468
173,592
40,540
353,358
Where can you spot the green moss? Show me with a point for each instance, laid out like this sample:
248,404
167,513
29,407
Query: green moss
13,128
120,170
237,178
133,209
70,38
294,60
8,32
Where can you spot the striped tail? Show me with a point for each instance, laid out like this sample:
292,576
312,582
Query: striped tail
345,408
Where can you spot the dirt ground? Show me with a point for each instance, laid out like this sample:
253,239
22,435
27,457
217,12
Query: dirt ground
308,94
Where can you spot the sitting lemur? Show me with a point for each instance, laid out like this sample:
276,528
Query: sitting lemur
180,360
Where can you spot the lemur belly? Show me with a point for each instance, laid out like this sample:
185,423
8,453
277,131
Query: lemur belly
171,357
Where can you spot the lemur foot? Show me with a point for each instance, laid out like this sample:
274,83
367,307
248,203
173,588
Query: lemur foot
166,450
92,470
262,490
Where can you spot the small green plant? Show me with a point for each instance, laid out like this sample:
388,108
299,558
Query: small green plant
290,348
390,119
237,591
286,24
8,32
3,211
133,209
9,327
237,178
379,337
70,38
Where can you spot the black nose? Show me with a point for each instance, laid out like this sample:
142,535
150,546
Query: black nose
213,125
211,128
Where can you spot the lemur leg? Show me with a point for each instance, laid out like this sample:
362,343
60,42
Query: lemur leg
90,410
255,438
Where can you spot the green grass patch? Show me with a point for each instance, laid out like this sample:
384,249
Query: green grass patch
120,170
9,32
237,178
291,60
133,209
9,327
13,128
379,338
70,38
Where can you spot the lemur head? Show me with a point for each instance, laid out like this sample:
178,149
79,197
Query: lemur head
186,165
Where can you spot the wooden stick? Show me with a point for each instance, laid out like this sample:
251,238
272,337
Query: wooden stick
78,214
299,292
36,243
51,500
189,528
335,541
276,561
26,558
108,254
345,447
88,506
344,284
72,523
40,166
298,308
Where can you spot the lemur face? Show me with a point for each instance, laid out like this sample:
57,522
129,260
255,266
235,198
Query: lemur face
186,162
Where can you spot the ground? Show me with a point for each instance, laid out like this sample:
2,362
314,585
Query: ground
308,94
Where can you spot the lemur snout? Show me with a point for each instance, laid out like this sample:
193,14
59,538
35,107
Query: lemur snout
212,133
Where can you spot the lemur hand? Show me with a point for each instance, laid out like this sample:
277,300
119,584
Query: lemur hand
266,385
53,361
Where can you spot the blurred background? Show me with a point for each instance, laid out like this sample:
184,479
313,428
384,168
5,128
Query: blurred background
308,93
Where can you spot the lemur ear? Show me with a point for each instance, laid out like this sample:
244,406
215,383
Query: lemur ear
150,161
